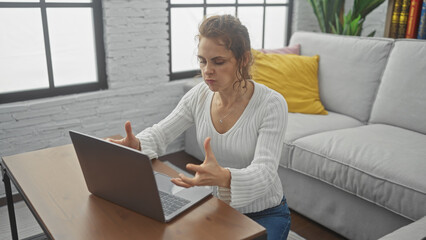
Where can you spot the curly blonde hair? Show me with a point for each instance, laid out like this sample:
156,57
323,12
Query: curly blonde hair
227,30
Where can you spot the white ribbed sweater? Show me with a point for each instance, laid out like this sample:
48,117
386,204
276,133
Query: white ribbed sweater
251,149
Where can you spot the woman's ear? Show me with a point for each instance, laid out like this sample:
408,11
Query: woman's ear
246,58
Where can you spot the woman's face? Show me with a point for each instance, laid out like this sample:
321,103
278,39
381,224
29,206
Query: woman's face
218,65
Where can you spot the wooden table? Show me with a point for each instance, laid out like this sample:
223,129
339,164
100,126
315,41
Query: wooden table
52,185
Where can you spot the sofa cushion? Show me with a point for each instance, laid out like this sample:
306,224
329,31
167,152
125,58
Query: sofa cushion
401,99
294,76
295,49
301,125
349,69
380,163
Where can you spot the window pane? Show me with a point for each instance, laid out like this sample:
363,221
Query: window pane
276,1
220,11
184,28
220,1
72,45
275,27
252,18
22,54
250,1
186,1
70,1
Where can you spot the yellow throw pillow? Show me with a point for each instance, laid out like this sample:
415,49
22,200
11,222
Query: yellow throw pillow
294,76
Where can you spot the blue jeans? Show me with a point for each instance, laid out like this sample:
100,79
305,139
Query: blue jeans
276,220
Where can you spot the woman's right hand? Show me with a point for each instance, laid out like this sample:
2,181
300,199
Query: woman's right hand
130,140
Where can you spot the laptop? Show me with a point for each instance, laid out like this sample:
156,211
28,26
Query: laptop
125,177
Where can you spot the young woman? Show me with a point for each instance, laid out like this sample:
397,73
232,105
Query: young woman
241,123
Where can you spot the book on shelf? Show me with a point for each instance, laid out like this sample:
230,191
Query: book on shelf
413,18
422,23
403,18
393,32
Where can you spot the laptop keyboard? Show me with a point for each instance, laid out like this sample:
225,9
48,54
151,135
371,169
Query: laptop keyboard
171,203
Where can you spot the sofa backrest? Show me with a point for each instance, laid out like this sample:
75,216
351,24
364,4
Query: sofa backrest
349,71
401,98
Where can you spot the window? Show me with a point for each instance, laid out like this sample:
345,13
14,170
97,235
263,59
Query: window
50,48
268,23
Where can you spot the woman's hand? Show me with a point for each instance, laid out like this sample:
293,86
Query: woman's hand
130,140
209,173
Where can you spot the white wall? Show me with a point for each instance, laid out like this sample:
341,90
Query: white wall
136,42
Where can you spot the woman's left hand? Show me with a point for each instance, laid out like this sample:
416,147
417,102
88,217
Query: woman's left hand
209,173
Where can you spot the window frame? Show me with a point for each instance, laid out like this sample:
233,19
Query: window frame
191,73
52,90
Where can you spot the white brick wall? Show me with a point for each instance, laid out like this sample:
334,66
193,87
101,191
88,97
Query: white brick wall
139,89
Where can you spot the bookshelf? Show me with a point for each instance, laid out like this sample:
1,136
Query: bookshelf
388,21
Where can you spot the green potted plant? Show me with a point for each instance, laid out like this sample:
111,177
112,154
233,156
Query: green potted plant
331,19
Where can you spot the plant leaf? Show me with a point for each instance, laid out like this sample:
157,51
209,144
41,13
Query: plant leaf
331,18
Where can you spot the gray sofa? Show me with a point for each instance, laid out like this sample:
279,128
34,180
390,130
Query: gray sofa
360,170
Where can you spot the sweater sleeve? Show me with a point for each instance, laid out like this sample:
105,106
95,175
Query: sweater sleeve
154,140
252,182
